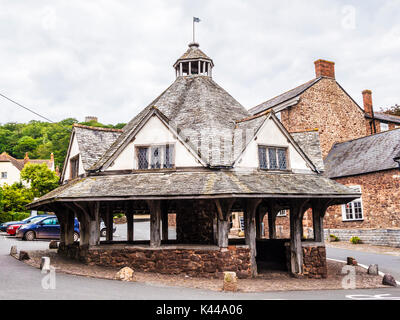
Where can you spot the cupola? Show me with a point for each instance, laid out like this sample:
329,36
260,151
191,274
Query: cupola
194,62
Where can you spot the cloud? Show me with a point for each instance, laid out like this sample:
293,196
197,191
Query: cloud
111,58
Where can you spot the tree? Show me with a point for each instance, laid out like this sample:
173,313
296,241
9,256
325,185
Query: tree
14,198
395,110
41,179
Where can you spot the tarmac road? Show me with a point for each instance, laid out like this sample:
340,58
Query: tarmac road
20,281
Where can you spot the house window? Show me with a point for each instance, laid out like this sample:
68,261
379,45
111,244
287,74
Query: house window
384,127
155,157
272,158
353,211
282,213
74,164
4,175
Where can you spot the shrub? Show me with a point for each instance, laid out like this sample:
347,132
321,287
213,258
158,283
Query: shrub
355,240
334,238
13,216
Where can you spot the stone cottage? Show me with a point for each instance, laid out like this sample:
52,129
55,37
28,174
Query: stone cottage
199,154
322,106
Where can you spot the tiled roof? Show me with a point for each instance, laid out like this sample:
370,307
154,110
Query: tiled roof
198,184
364,155
93,142
283,97
20,163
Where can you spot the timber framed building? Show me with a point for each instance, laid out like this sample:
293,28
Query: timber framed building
197,153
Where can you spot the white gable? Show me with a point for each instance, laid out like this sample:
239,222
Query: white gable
11,172
271,135
154,132
73,151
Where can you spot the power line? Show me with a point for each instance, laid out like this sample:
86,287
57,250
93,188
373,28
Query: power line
32,111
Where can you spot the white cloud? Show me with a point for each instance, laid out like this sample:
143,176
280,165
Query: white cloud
111,58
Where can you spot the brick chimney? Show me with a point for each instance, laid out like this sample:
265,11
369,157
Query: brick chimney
324,68
90,119
26,159
367,99
52,157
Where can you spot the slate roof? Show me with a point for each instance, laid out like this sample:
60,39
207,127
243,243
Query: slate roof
197,184
283,97
364,155
385,117
93,142
309,142
204,114
193,53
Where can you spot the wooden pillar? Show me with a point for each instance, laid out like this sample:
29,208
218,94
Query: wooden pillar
224,211
297,209
109,222
272,213
180,69
69,227
61,221
130,226
250,231
260,213
190,68
155,222
318,213
164,219
94,224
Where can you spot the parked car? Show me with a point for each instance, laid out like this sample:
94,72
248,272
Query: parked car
103,229
45,228
4,226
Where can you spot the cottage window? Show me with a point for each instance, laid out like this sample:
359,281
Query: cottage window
272,158
353,211
74,164
384,127
155,157
4,175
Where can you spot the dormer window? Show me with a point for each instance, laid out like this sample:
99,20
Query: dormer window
272,158
155,157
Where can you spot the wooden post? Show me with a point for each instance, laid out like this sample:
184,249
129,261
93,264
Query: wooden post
69,227
109,222
130,226
250,231
164,220
297,209
272,213
224,211
155,222
318,213
94,225
260,213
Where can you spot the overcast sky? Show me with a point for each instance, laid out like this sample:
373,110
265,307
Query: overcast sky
111,58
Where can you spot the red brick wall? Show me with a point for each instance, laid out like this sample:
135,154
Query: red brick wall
381,204
327,107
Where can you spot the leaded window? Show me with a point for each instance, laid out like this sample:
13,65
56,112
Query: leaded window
353,211
156,157
74,167
272,158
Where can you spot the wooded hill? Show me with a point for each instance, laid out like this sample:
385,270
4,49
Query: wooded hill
40,139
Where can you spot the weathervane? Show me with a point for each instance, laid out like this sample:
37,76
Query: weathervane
194,21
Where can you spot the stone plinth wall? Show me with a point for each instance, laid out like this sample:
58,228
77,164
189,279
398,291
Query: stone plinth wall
314,260
209,263
378,237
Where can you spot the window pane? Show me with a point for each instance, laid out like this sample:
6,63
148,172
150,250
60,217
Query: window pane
143,162
156,157
262,156
282,159
169,156
273,164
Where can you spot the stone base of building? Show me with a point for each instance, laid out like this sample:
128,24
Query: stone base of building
314,260
194,261
378,237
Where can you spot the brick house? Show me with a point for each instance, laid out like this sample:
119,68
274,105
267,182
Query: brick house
322,105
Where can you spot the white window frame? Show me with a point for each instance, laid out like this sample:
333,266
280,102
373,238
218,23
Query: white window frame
352,204
386,126
162,147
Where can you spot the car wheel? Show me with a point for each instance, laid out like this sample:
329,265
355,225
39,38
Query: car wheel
30,235
76,236
103,232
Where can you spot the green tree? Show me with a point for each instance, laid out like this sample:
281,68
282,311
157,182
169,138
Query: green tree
25,144
395,110
41,179
15,197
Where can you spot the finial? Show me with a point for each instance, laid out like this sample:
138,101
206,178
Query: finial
194,45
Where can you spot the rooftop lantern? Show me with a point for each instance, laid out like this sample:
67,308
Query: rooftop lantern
194,62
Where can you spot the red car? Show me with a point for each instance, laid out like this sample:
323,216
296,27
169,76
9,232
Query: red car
12,229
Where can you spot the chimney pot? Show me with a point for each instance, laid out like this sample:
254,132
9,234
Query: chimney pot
324,68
